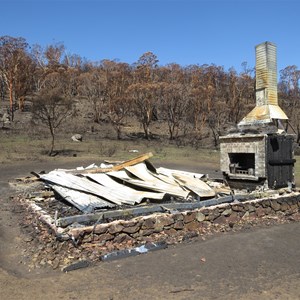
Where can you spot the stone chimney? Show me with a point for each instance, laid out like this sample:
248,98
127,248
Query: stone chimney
266,109
260,153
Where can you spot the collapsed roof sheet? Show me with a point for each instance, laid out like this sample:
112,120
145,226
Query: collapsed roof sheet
83,184
171,172
195,185
191,181
138,196
152,183
129,185
86,203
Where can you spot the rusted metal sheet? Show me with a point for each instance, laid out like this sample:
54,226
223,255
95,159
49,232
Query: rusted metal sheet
266,74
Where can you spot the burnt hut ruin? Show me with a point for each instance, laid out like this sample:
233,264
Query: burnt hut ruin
120,209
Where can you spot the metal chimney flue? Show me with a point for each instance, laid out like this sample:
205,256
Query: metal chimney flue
266,74
266,109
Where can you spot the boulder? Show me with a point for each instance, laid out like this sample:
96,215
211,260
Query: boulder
77,138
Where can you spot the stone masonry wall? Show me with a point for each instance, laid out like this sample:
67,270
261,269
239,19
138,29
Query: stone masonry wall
172,227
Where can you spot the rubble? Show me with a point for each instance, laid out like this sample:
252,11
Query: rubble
126,184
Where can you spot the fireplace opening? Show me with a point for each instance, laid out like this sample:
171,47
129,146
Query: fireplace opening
242,163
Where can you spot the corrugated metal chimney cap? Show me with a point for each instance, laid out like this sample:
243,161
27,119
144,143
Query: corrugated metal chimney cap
266,43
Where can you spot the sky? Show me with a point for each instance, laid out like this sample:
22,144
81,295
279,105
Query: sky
185,32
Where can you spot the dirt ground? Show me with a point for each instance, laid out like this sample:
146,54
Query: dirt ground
256,263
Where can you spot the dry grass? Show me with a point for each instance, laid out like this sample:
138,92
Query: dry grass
15,148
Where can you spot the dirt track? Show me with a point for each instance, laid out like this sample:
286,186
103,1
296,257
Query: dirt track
258,263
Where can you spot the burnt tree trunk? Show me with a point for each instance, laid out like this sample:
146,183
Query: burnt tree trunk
11,100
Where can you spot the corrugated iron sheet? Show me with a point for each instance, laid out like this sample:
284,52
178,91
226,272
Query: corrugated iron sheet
83,184
130,186
175,183
191,181
142,172
266,72
137,196
195,185
152,185
266,87
86,203
170,172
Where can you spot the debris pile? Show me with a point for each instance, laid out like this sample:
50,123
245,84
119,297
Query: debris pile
127,184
